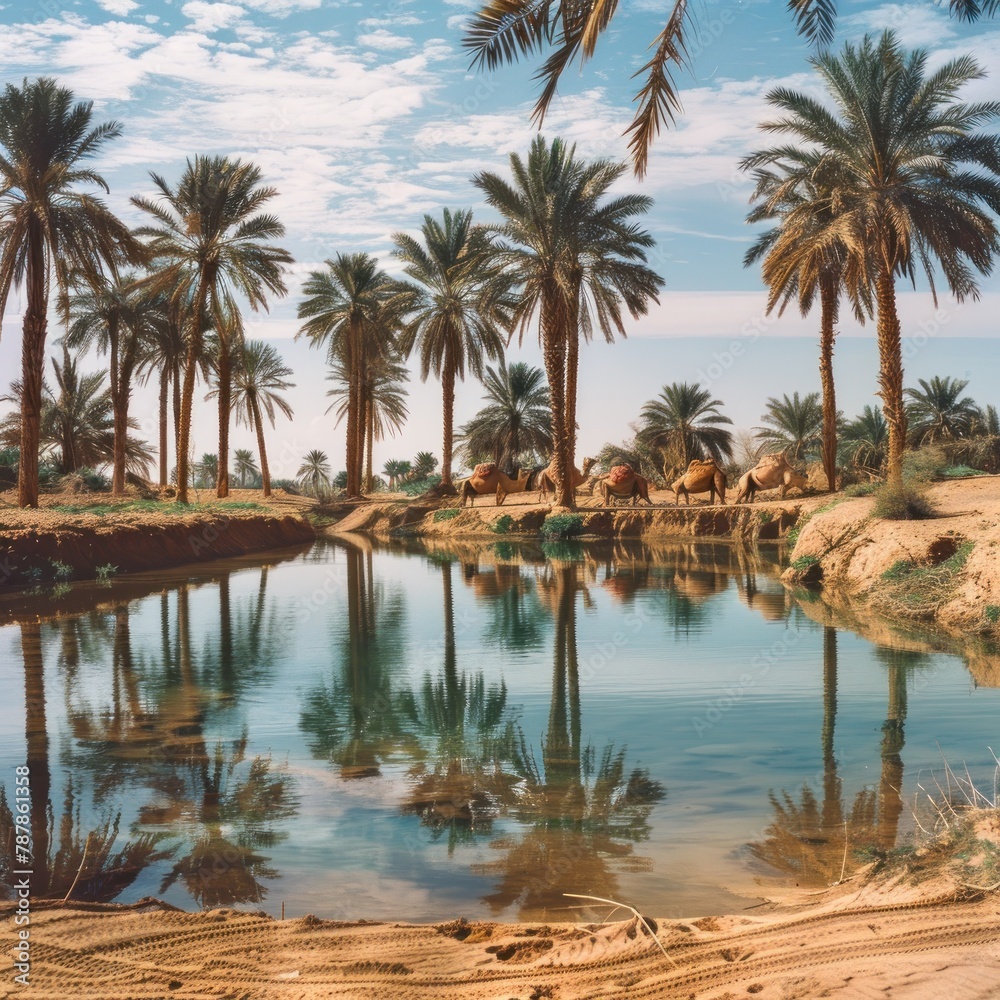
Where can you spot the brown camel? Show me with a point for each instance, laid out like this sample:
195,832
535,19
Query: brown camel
545,481
701,477
770,472
487,478
623,482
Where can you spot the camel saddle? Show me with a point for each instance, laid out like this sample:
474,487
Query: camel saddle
619,474
484,469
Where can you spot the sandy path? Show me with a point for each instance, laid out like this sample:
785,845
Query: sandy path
930,948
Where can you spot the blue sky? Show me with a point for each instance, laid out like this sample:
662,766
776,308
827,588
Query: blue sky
365,116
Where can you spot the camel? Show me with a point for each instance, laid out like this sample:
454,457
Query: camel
487,478
545,481
623,482
701,477
770,472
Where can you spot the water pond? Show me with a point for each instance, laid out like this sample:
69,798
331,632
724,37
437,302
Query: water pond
420,733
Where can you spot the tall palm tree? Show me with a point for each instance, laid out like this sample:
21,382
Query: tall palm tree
459,304
424,464
516,423
384,392
794,424
353,308
122,319
314,472
912,182
864,440
801,262
394,468
575,262
685,423
260,375
938,411
206,472
49,229
244,466
210,243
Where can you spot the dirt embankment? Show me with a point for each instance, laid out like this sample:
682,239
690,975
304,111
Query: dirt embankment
74,538
943,572
760,521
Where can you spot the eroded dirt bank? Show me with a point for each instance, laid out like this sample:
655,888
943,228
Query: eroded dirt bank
49,546
942,572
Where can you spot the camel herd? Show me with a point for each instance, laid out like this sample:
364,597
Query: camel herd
624,484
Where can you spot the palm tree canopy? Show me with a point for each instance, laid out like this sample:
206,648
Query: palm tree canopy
315,467
210,228
899,157
502,31
385,385
515,423
938,411
44,137
864,440
684,422
458,301
259,375
794,423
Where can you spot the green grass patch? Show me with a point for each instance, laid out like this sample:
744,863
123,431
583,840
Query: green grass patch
502,524
959,472
861,489
918,591
899,571
992,613
447,513
796,529
803,563
562,526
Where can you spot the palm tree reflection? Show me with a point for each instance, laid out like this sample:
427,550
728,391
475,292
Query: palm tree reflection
582,813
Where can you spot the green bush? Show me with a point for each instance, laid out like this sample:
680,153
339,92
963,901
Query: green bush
804,562
562,525
105,572
992,613
446,513
419,486
502,524
905,500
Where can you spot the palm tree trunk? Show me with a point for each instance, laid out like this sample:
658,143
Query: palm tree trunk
187,395
369,442
32,366
176,402
353,414
828,319
225,376
265,472
164,393
119,410
448,414
572,366
890,377
554,356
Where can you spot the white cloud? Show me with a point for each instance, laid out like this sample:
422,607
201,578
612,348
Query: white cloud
282,8
382,39
209,17
119,7
915,24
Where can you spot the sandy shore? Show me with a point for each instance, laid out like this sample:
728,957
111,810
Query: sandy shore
893,939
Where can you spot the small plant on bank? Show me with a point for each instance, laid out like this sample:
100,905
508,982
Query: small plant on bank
905,500
105,572
918,591
765,516
861,489
992,613
502,524
562,525
803,563
447,513
60,570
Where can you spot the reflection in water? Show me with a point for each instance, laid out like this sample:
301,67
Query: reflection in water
581,815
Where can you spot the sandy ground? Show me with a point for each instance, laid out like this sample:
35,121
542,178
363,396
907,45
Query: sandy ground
895,940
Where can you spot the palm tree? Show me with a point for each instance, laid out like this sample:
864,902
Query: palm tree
77,421
982,447
314,472
384,393
394,468
206,472
424,464
911,181
574,260
938,411
459,303
244,466
517,422
49,230
211,243
793,424
120,318
864,440
801,261
685,423
259,376
352,308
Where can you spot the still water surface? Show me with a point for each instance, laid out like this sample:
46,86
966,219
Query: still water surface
421,734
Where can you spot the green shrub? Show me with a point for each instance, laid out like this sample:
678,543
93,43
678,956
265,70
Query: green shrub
905,500
60,570
447,513
804,562
502,524
992,613
419,486
861,489
764,516
106,571
562,525
960,471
